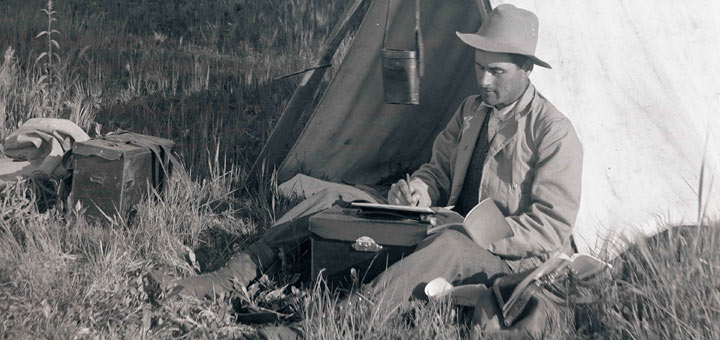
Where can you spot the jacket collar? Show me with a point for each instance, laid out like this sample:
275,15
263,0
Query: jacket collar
507,130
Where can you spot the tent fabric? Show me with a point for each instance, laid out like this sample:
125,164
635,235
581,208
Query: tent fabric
353,136
637,79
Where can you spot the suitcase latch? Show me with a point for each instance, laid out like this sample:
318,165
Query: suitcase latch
366,244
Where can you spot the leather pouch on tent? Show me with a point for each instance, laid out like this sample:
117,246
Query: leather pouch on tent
368,241
112,173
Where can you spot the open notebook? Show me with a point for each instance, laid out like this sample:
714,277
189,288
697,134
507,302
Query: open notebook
484,224
391,208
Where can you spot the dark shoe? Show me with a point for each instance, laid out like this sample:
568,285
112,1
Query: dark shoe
239,271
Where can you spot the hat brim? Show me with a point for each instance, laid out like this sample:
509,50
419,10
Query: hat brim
482,43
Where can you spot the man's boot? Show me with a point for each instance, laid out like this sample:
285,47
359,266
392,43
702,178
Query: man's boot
238,271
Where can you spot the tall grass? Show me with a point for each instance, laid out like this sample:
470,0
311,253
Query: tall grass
44,86
61,276
665,287
198,72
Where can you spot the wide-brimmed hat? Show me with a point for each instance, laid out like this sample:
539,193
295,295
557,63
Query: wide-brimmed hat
507,29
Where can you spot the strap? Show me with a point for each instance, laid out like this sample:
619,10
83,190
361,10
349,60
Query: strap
419,45
162,153
419,40
387,22
67,160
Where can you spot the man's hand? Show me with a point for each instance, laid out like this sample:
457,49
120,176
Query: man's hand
413,193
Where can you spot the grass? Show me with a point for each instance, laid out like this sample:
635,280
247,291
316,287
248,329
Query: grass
198,72
201,73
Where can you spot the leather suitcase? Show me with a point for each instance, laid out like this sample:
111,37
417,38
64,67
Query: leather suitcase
347,238
111,173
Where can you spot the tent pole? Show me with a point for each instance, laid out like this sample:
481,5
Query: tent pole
485,8
283,135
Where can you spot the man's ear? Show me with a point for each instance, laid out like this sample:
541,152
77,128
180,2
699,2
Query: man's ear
528,66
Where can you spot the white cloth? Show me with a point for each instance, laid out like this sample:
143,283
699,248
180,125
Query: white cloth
38,146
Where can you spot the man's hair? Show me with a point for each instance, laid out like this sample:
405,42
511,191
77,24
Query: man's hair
522,61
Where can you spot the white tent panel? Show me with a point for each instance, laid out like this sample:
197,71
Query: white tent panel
639,80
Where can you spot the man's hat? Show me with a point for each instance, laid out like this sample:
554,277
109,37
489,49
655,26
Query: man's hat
507,29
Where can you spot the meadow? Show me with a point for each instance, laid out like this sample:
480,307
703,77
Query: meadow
203,74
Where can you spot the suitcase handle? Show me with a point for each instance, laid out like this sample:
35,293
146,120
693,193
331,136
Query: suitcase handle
99,179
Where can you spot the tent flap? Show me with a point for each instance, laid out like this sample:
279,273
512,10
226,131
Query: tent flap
353,136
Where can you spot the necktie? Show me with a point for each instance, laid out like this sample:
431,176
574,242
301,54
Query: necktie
471,186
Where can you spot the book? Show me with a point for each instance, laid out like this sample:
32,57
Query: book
401,209
582,266
484,224
513,292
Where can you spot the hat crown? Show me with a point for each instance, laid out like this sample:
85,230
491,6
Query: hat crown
514,26
507,29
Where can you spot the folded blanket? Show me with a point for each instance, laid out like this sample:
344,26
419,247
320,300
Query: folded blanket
40,144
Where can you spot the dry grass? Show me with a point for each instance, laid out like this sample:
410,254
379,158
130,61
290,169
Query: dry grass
200,73
61,277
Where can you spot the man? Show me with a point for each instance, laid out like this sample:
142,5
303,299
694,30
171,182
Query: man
508,143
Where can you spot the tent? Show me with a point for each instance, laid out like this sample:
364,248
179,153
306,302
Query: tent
637,79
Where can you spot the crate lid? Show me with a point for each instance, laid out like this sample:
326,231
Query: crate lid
115,146
106,149
342,224
136,138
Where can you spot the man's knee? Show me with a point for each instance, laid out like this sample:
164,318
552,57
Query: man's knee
346,193
326,197
446,239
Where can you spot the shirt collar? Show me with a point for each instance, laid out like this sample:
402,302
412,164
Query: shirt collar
503,113
521,103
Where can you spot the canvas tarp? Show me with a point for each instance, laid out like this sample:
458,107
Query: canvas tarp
637,79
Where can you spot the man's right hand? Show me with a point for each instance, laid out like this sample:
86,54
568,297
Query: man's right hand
413,193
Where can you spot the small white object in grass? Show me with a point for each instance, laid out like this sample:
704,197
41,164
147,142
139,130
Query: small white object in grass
437,288
193,259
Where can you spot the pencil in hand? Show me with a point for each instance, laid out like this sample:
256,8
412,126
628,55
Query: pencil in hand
414,200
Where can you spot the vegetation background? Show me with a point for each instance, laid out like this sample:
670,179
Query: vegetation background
201,73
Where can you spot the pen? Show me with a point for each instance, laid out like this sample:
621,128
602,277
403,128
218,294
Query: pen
407,178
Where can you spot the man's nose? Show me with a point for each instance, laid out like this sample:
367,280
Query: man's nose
485,79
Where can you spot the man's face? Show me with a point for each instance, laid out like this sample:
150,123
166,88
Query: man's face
499,80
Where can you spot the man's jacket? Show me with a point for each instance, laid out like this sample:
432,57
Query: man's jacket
532,172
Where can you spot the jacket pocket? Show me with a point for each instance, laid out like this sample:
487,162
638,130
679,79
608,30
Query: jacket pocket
517,200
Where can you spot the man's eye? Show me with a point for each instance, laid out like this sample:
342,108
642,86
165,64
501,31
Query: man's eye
497,71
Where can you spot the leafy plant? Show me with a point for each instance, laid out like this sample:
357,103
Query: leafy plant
50,56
